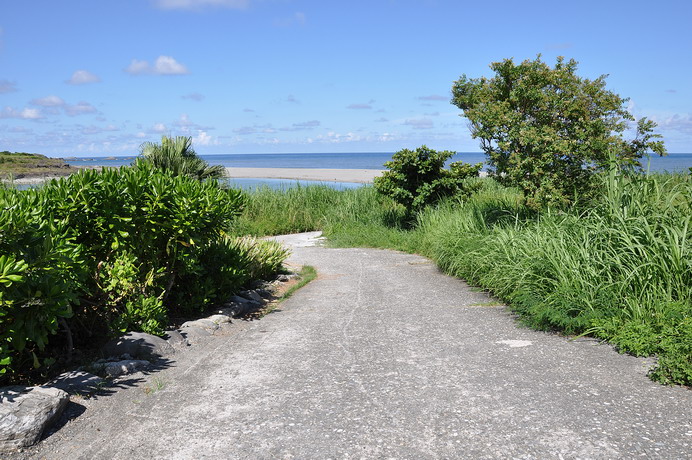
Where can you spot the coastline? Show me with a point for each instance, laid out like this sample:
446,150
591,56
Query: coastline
361,176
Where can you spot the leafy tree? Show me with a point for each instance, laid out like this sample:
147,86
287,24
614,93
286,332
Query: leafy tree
175,154
417,178
548,131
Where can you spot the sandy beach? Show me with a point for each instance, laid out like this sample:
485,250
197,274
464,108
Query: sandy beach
362,176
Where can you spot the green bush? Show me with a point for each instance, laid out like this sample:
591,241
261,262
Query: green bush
141,229
40,278
417,178
100,253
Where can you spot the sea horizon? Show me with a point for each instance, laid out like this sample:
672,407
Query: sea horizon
673,162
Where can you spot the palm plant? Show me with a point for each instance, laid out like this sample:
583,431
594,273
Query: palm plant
176,155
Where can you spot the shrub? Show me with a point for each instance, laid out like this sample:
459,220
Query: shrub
40,278
416,178
548,131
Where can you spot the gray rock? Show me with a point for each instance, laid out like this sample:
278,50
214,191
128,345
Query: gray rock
220,318
283,278
203,323
252,295
138,345
127,366
265,293
194,334
236,309
25,413
76,382
241,300
176,339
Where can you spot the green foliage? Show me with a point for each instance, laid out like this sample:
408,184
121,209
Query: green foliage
225,265
417,178
39,277
141,228
102,252
548,131
177,156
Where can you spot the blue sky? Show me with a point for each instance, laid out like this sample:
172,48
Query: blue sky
91,78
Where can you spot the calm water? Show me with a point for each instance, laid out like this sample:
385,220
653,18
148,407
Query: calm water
675,162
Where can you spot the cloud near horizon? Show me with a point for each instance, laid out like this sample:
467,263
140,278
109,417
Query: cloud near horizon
164,65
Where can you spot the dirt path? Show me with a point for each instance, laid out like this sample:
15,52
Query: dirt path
384,357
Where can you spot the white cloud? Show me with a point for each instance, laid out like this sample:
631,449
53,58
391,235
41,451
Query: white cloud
292,99
159,128
82,77
7,86
49,101
53,103
302,126
419,123
199,4
164,65
138,67
202,138
80,108
24,114
255,129
676,122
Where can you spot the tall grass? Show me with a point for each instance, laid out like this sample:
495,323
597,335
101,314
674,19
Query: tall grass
619,269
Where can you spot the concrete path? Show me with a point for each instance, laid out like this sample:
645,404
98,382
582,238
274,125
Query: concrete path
384,357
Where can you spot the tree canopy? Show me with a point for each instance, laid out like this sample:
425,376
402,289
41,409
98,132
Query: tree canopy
548,131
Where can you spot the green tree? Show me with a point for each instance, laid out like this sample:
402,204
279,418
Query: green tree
416,178
175,154
548,131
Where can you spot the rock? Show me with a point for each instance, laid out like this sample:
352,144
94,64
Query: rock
127,366
283,278
203,323
25,413
241,300
232,309
265,293
193,334
220,318
175,338
252,295
76,382
138,345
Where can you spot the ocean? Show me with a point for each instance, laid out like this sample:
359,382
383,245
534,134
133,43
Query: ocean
674,162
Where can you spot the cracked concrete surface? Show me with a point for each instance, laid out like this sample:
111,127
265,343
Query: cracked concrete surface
384,357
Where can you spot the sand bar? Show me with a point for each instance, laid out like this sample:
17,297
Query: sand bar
362,176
